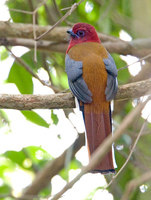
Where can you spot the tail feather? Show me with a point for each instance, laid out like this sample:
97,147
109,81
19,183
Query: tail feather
98,127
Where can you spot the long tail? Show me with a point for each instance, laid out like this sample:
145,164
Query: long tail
98,127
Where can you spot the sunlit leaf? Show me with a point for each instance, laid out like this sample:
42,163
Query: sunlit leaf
38,155
3,118
123,75
19,17
74,164
17,157
46,191
35,118
5,189
6,165
34,152
3,53
42,16
29,59
21,78
54,118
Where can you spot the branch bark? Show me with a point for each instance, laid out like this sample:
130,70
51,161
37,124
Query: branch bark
28,102
18,30
22,34
43,45
66,100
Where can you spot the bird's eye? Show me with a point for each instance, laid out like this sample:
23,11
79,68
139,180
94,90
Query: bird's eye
81,33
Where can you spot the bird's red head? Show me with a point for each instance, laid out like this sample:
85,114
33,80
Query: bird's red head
82,32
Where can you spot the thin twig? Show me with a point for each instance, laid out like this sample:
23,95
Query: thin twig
60,14
135,183
29,12
67,8
56,8
73,7
34,33
34,29
34,24
139,60
21,11
27,67
41,4
130,154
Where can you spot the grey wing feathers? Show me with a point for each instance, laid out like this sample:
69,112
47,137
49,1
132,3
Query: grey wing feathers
112,84
76,83
73,68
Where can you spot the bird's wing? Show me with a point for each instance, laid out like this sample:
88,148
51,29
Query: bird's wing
112,83
76,83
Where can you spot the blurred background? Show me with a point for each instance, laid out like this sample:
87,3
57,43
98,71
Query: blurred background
36,146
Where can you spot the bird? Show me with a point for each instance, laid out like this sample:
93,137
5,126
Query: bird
92,78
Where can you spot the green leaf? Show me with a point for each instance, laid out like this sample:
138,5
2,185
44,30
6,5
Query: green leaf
123,75
42,16
57,71
21,78
19,17
35,118
127,174
62,78
92,193
6,165
54,118
3,119
26,158
45,192
38,155
29,59
74,164
5,189
3,53
16,156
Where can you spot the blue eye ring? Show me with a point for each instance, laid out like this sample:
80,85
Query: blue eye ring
81,33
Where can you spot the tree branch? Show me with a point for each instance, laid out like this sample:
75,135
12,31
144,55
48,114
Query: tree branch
18,30
130,154
17,34
28,102
73,7
133,90
66,100
43,45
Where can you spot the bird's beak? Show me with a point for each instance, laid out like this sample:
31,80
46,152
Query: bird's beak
72,33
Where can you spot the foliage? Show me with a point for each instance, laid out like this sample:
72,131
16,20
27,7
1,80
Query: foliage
110,17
